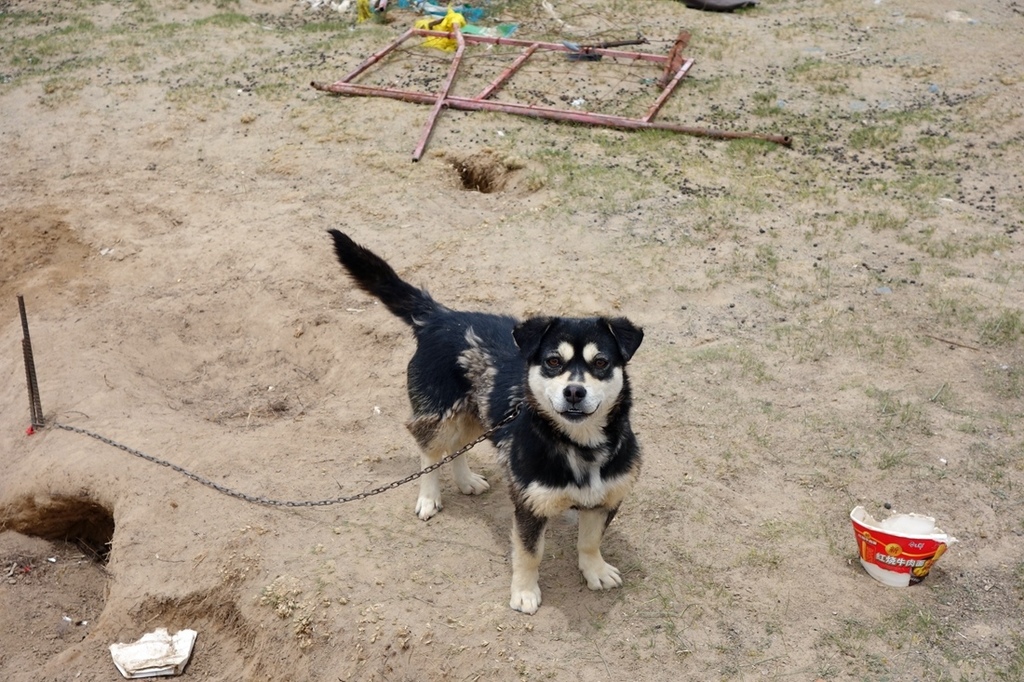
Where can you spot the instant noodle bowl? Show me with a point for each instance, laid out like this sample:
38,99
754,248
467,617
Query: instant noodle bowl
900,550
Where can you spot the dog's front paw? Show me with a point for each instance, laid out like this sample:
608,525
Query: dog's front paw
527,601
474,484
600,575
427,507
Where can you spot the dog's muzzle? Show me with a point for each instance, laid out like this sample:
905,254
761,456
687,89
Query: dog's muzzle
575,396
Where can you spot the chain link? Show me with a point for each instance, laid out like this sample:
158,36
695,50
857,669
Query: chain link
260,499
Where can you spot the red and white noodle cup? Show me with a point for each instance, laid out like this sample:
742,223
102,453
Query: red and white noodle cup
900,550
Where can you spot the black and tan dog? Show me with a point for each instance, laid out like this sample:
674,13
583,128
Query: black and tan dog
571,445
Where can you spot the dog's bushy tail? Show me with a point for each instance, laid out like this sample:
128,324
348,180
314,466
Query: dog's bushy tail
374,276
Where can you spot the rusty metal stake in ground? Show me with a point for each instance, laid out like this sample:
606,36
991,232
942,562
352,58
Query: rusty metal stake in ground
674,67
34,403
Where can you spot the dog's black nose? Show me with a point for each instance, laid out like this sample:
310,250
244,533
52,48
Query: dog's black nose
574,393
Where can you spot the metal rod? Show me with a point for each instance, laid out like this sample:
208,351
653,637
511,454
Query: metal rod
377,56
668,90
639,40
507,73
34,404
442,96
533,111
675,57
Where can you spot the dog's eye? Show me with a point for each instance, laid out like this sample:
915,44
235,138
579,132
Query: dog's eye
600,363
553,361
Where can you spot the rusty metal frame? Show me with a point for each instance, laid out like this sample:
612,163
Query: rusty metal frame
482,102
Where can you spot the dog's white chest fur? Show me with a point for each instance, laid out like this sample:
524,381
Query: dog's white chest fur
595,491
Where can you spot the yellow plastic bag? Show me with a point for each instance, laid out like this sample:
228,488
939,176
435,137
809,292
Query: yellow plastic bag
448,24
367,9
363,11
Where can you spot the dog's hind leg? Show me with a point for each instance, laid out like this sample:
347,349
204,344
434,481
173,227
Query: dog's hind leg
427,430
468,428
439,437
600,575
429,501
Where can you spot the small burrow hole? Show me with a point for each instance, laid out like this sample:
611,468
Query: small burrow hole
484,171
73,519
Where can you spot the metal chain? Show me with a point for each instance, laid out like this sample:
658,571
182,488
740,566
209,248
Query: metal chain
260,499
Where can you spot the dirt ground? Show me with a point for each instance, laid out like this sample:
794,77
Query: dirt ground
829,325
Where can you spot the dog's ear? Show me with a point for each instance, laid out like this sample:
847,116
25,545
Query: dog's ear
528,335
627,334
